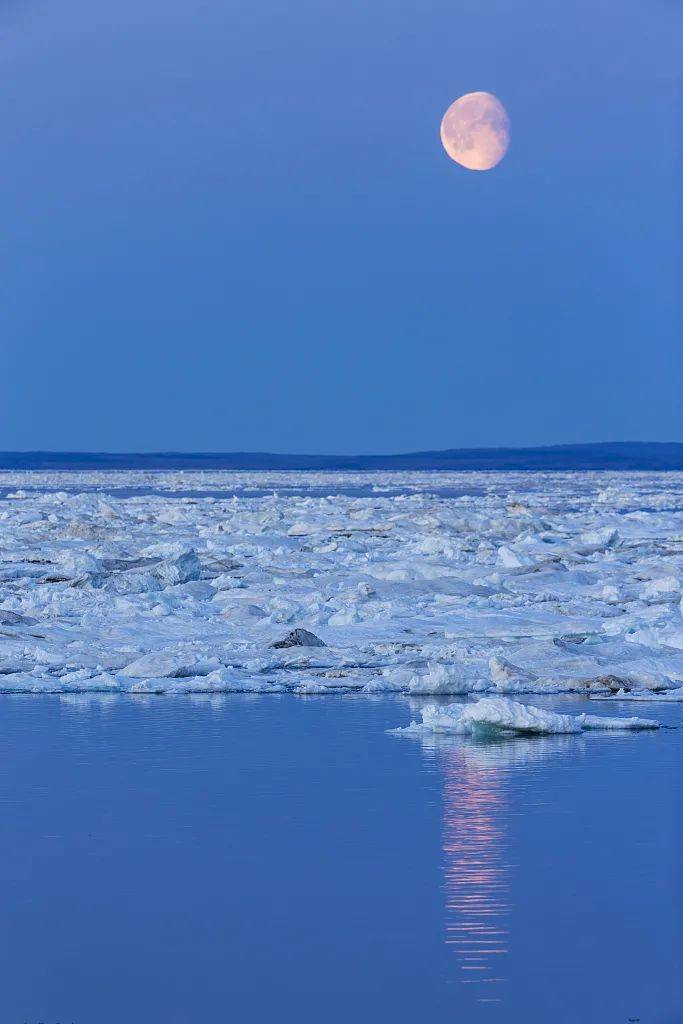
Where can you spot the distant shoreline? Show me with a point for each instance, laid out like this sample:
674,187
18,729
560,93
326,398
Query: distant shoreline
624,456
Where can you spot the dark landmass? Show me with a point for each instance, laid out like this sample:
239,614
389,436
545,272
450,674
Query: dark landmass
614,456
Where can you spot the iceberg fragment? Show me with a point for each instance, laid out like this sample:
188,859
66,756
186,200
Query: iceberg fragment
491,716
181,569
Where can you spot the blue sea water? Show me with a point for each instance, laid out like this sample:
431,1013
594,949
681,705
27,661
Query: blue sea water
261,859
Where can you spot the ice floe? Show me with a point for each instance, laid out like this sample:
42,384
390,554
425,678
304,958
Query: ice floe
668,697
494,716
332,583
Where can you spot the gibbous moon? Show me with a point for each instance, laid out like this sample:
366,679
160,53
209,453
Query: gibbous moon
475,131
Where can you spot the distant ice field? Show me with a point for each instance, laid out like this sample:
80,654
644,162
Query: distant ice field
366,582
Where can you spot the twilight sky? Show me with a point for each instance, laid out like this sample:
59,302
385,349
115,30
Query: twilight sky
230,225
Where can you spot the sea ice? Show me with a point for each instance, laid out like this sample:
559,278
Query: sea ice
669,697
447,679
422,583
491,716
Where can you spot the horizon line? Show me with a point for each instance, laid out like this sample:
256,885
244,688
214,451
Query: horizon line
218,453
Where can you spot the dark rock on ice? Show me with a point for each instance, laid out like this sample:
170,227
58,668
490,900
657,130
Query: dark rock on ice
299,638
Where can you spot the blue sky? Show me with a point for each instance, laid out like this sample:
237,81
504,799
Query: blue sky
231,226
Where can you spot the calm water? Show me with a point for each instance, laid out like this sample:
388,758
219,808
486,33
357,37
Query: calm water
275,858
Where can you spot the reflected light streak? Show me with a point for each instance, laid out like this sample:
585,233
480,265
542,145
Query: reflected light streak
477,875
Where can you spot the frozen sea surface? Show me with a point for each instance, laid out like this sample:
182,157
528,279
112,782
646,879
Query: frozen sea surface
255,859
507,583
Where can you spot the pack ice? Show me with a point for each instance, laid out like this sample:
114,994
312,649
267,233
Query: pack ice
312,583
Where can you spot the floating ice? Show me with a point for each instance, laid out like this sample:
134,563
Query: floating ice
435,583
493,716
669,697
599,722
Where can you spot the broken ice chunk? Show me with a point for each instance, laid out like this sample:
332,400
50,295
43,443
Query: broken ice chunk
243,613
10,618
165,664
492,716
447,679
181,569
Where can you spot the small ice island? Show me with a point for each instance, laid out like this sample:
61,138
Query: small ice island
496,717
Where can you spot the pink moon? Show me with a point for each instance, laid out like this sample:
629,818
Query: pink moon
475,131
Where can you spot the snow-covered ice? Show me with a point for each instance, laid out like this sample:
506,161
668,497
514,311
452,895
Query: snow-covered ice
329,583
494,716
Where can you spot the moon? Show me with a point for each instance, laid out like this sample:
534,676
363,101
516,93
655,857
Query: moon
475,131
